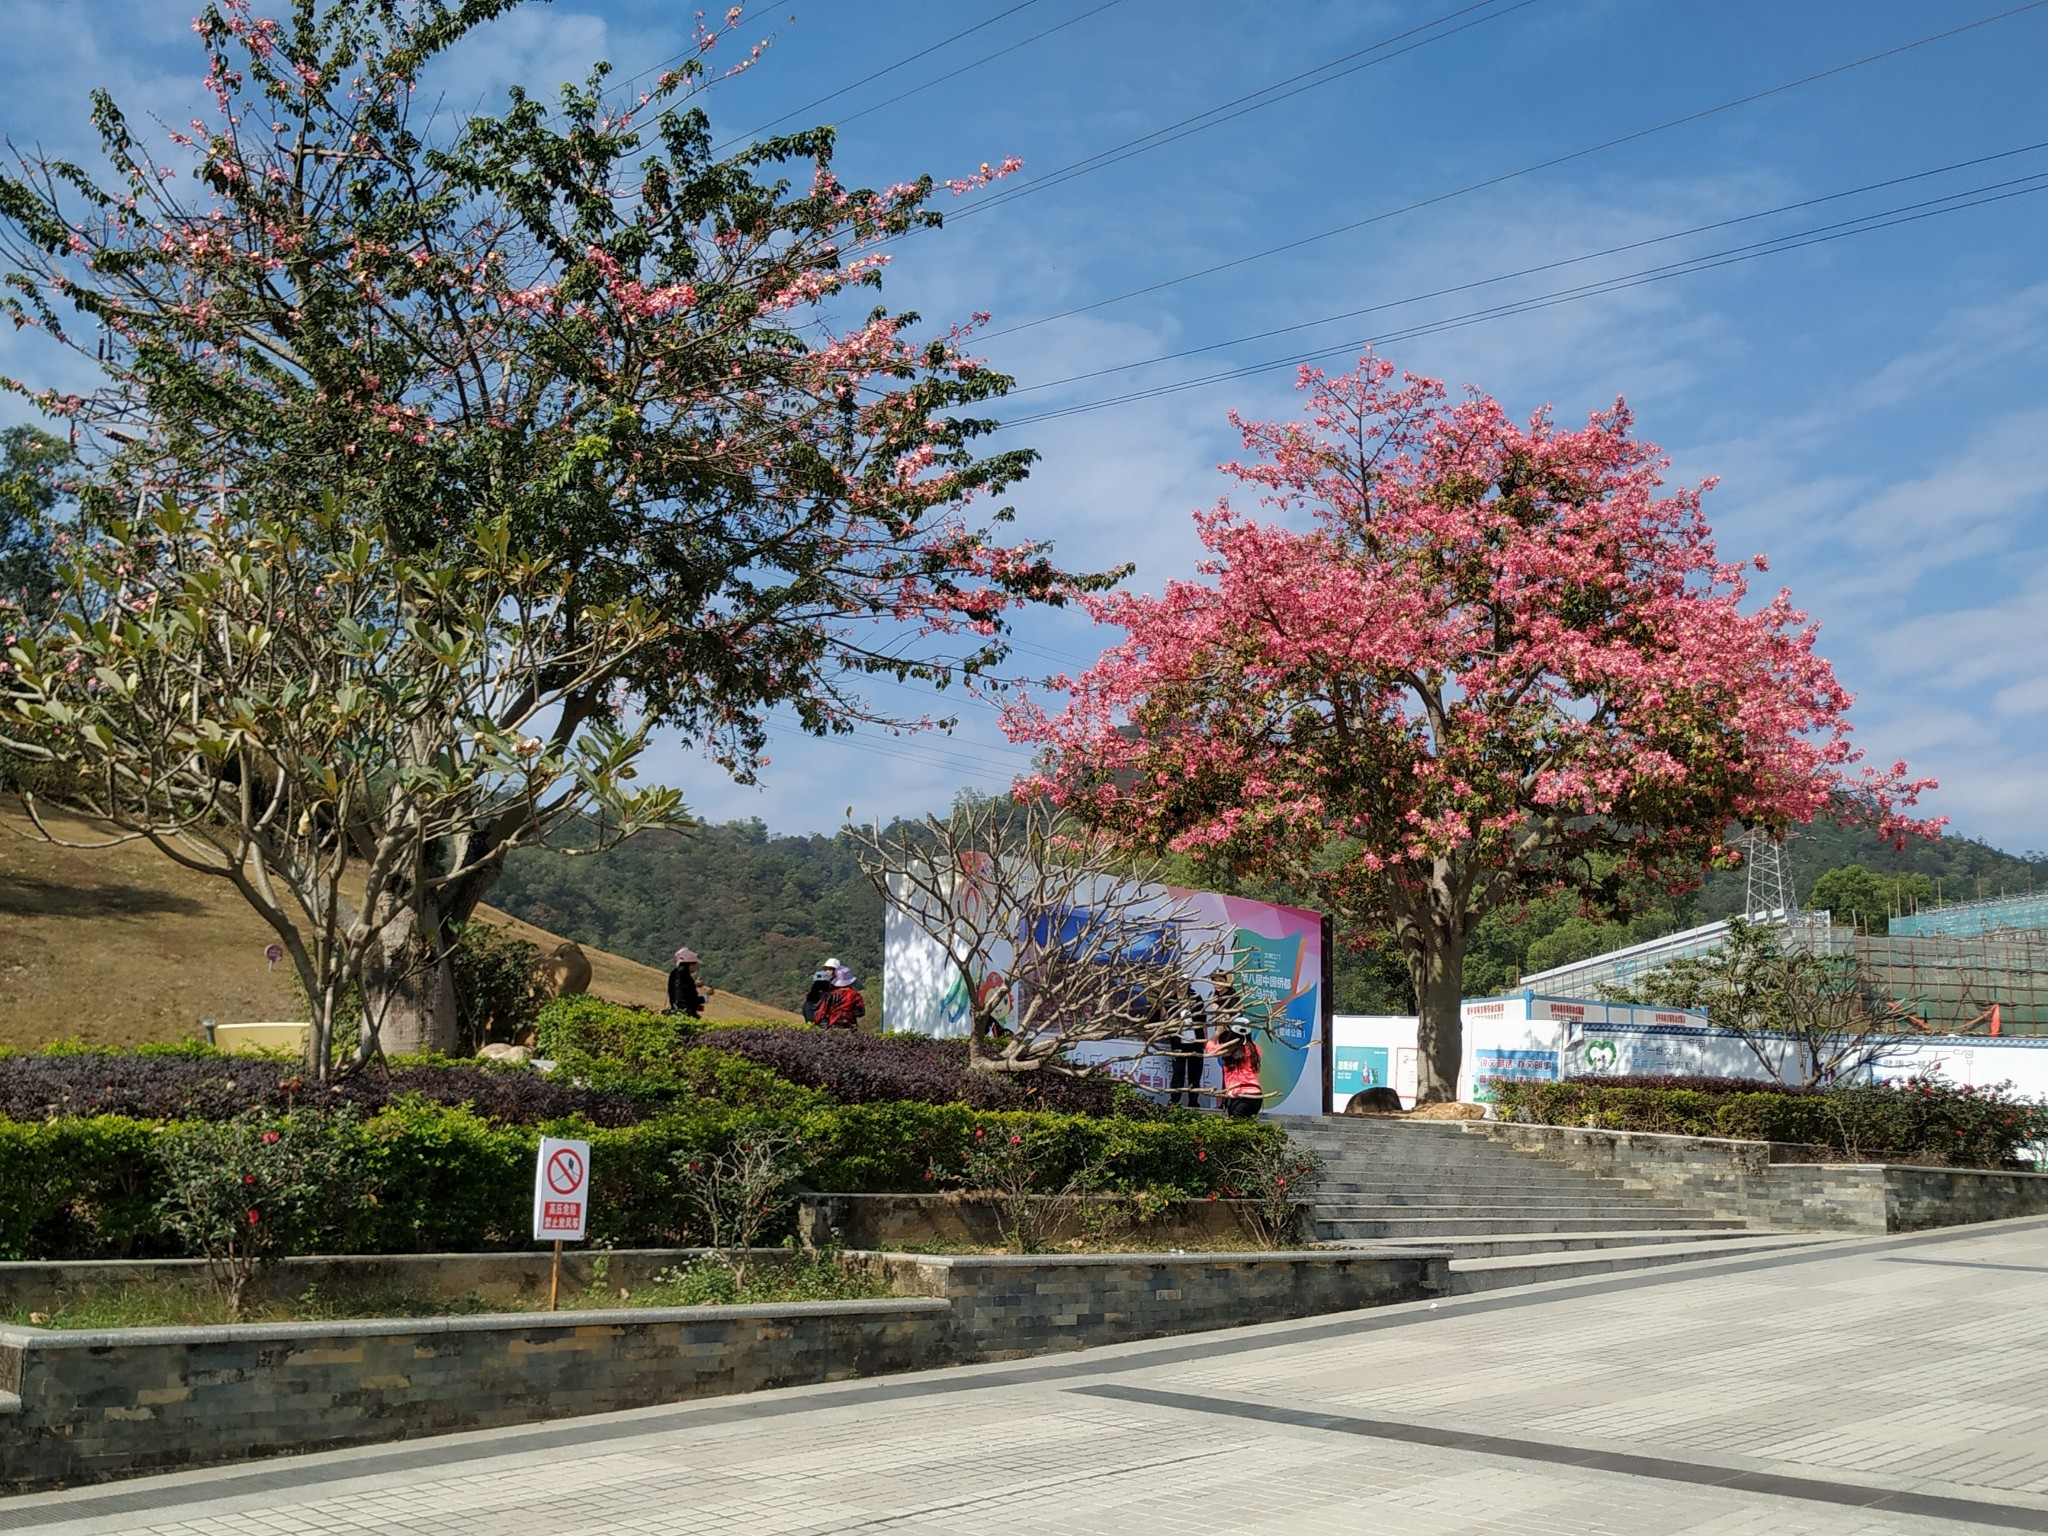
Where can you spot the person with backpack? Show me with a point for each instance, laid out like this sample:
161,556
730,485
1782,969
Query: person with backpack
821,983
1238,1054
685,995
842,1007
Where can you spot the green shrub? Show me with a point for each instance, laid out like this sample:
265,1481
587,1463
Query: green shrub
583,1027
1920,1119
500,984
245,1192
884,1147
84,1188
616,1049
439,1178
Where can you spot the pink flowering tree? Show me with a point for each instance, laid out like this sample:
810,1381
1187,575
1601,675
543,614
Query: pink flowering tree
1472,662
659,368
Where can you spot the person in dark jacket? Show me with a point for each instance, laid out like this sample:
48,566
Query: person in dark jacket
1188,1048
821,983
843,1007
685,995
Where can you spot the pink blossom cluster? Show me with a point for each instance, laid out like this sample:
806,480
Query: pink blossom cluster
1466,649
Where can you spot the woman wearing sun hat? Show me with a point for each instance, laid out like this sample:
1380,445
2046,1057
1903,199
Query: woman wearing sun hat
685,996
843,1007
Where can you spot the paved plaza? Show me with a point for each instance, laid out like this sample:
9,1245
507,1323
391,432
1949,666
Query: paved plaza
1883,1385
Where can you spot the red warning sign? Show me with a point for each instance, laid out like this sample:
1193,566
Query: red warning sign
561,1190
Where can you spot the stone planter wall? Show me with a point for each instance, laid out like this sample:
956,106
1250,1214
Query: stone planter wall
910,1221
1770,1185
83,1406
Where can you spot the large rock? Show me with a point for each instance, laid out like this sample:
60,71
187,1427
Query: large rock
568,970
1374,1101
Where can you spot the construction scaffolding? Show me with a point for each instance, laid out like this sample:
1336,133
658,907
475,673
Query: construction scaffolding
1962,983
1995,914
1971,981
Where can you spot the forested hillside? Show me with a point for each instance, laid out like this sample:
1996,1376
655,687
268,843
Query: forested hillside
761,909
764,909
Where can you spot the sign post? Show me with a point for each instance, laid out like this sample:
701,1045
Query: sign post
561,1200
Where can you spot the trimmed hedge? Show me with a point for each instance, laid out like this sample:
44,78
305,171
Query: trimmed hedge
1918,1120
204,1084
855,1068
656,1058
446,1179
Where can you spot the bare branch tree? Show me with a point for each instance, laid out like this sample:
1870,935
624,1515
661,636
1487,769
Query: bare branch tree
1056,938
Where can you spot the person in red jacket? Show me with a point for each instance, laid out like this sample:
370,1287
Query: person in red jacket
843,1007
1238,1054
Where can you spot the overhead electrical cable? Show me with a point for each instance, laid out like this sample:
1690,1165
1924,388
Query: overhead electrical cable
886,69
987,58
1530,271
1250,102
1515,175
1824,234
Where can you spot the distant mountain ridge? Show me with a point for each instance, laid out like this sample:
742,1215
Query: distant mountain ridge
764,908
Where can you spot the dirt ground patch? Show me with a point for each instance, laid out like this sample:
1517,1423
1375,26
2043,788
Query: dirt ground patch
119,946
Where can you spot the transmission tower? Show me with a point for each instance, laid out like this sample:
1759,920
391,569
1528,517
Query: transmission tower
1768,893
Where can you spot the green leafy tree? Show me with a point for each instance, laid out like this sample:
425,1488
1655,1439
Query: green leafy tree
31,461
297,707
1806,1016
576,326
1863,898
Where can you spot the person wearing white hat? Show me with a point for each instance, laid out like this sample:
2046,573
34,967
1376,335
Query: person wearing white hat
821,983
685,995
843,1007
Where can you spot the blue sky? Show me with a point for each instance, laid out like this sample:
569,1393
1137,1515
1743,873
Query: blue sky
1875,406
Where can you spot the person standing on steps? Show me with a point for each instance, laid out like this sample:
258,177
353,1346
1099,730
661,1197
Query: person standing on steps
821,983
685,994
1189,1049
843,1007
1238,1054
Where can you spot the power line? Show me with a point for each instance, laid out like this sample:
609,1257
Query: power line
1546,266
886,69
1218,115
987,58
1527,170
1912,213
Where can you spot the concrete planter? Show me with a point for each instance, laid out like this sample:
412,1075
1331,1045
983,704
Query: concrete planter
910,1221
1770,1184
84,1406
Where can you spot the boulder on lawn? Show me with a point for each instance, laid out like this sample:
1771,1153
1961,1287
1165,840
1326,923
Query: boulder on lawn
1374,1101
568,970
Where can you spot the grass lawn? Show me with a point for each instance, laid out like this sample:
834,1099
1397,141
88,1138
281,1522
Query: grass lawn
704,1283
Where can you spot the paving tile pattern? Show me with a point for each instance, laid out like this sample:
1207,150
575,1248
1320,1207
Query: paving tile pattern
1910,1364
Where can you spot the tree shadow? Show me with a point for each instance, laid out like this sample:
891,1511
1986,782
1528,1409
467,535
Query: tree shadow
26,896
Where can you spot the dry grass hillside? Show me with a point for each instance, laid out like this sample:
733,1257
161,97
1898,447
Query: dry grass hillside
120,946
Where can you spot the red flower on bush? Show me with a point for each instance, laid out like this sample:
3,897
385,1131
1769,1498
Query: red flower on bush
1016,1141
269,1138
254,1215
248,1178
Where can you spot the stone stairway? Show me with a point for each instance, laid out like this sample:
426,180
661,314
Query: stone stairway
1505,1217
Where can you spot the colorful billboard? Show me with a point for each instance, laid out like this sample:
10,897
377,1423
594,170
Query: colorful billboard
1277,972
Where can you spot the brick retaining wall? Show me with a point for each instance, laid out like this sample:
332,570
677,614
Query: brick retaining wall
83,1406
903,1221
1741,1179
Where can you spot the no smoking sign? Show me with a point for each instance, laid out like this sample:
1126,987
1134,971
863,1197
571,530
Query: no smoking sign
561,1190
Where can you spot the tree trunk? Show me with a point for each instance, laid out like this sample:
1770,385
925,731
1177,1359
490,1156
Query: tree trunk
408,989
1438,972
